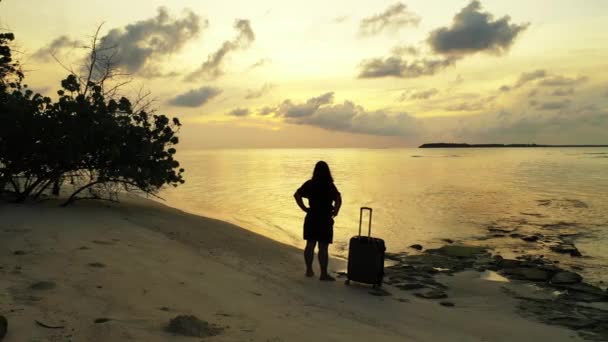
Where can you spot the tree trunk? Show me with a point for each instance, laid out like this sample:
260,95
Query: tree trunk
57,186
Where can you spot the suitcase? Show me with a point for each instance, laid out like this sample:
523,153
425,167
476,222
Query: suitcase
366,256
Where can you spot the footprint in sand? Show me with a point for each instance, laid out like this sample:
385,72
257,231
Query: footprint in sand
100,242
97,264
43,285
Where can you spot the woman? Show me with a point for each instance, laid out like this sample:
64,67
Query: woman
324,202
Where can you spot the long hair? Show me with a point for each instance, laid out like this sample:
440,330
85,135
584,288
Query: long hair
322,173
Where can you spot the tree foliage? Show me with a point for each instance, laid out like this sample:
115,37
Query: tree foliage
88,136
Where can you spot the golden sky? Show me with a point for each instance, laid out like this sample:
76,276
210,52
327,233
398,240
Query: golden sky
342,73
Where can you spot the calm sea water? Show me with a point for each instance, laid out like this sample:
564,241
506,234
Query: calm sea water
418,195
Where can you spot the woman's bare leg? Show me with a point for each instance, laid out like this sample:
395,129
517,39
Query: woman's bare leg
324,260
309,256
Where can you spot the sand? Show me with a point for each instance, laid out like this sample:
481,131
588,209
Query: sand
137,264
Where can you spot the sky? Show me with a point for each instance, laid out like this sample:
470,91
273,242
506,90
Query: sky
253,74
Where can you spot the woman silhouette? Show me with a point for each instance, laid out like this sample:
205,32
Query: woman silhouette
324,201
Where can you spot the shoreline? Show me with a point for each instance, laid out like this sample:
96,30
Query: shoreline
133,266
464,145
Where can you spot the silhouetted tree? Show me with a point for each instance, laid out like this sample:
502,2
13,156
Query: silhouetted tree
90,135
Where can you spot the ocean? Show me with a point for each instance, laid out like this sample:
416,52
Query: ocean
491,197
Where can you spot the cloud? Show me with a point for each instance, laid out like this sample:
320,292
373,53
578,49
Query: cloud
267,110
543,78
135,46
561,81
578,125
527,77
239,112
554,105
475,31
321,112
349,117
262,62
549,123
471,106
397,67
45,53
257,93
196,97
472,31
458,80
563,92
291,110
405,50
392,19
419,95
211,69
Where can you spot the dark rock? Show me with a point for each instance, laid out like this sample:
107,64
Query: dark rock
532,214
427,269
19,252
101,320
432,294
516,236
97,264
566,248
457,251
584,287
500,230
566,277
416,247
410,286
527,273
447,304
582,292
577,203
392,256
188,325
575,296
43,285
3,327
531,238
509,263
575,323
559,225
447,240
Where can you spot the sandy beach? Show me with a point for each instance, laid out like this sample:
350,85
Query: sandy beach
137,264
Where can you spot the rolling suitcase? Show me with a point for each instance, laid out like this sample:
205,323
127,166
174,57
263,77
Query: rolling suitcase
366,256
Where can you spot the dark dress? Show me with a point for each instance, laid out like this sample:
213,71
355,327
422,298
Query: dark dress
319,223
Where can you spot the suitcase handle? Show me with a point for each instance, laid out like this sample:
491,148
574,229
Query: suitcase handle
369,231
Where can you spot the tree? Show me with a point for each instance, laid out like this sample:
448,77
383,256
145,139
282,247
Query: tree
90,135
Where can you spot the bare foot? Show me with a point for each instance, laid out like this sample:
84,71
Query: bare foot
327,277
310,273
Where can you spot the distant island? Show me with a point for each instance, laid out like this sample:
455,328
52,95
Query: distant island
459,145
